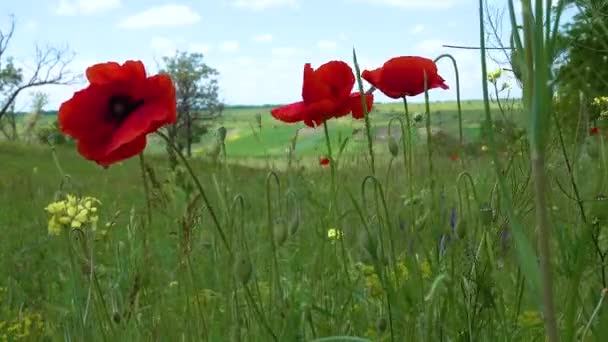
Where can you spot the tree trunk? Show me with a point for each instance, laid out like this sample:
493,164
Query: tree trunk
172,134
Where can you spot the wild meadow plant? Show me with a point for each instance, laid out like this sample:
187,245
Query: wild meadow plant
434,249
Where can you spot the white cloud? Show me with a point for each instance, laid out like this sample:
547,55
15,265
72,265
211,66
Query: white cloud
86,7
229,46
326,44
414,4
286,51
200,48
259,5
163,16
262,38
417,29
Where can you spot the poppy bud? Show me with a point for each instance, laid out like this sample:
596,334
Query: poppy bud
221,133
461,228
258,120
599,208
393,147
381,324
294,224
280,234
418,118
369,244
243,269
486,215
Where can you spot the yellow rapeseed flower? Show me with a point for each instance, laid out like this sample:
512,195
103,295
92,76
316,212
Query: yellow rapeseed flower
494,75
530,318
72,212
334,234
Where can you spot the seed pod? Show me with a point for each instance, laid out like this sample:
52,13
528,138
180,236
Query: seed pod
369,244
381,324
243,269
221,134
393,147
294,224
486,215
461,228
280,233
599,208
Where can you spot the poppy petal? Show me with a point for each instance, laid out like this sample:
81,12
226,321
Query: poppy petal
84,116
144,120
338,76
134,147
313,89
104,73
290,113
357,107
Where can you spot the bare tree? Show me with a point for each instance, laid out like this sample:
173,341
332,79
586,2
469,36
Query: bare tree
49,68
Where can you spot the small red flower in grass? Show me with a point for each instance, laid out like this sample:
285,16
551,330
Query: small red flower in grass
326,94
324,161
112,116
454,157
404,76
594,131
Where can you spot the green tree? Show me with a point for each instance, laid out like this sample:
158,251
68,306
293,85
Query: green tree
197,98
583,68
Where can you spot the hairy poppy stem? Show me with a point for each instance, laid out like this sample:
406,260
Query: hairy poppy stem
410,148
460,135
368,126
200,189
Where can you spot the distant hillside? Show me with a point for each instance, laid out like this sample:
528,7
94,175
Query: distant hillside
245,107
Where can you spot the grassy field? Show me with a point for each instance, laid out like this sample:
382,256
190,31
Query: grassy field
299,262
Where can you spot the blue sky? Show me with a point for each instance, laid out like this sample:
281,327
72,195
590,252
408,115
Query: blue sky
258,46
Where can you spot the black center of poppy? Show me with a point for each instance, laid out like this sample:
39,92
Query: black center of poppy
120,106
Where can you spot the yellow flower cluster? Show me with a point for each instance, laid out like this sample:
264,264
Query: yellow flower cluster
372,281
494,75
602,103
529,319
24,327
334,234
73,212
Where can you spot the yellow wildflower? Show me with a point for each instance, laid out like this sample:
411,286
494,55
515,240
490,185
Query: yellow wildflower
484,148
529,318
72,212
334,234
494,75
425,268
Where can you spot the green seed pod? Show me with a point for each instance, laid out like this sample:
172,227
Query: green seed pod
294,224
280,233
221,134
369,244
393,147
486,215
243,269
381,324
599,208
258,120
461,228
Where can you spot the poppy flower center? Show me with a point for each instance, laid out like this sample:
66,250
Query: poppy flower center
120,106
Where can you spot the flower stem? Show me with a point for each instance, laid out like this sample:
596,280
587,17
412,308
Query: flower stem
368,127
200,189
410,149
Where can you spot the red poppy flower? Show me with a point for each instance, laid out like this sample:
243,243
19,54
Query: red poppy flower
326,94
404,76
323,161
454,157
112,116
594,131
